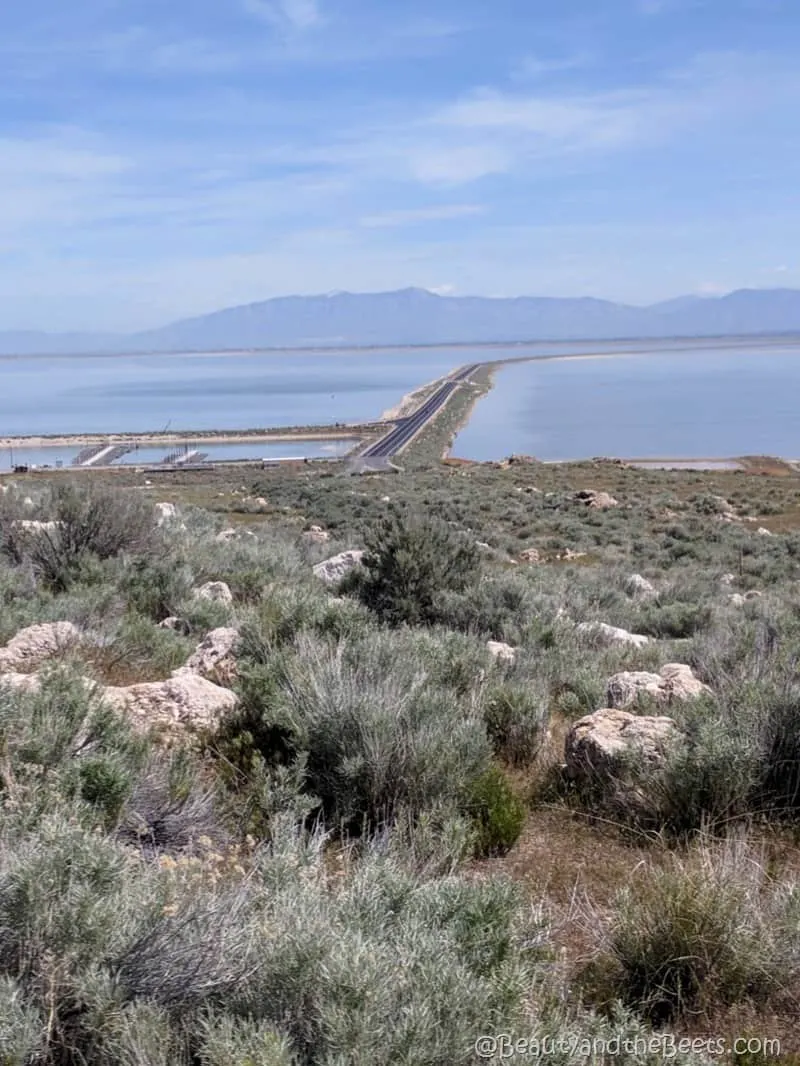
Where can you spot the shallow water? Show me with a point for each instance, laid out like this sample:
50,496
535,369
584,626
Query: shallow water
145,394
680,404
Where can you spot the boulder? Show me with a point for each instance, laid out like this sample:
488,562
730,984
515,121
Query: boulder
531,555
316,535
215,657
600,501
727,579
639,588
165,513
20,682
215,591
724,506
611,743
36,644
675,681
501,652
332,570
624,688
738,599
609,635
184,701
226,535
680,683
762,532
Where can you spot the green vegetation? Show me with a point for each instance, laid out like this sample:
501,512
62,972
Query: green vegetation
377,855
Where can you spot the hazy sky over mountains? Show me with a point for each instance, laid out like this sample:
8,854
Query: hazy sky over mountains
160,160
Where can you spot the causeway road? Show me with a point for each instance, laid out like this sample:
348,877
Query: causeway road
406,428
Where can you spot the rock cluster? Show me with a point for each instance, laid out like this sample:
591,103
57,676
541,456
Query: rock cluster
599,501
194,697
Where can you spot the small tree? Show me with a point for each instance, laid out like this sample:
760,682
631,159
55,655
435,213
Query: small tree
410,561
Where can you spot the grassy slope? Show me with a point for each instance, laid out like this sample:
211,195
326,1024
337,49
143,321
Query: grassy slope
666,528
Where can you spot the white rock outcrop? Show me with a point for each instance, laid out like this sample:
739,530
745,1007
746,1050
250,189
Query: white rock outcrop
675,681
603,634
36,644
184,701
316,535
165,513
599,501
611,743
216,592
501,652
531,555
332,570
215,657
639,588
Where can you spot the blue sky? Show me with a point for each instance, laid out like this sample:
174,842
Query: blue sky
166,159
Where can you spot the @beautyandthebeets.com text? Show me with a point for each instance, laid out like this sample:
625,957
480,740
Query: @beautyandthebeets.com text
504,1046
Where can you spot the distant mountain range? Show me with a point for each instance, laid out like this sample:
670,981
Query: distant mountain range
416,316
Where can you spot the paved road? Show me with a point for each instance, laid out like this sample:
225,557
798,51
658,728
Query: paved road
408,427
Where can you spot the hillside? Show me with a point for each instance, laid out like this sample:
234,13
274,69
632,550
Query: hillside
531,768
416,316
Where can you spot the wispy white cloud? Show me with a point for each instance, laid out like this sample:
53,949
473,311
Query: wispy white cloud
294,14
533,67
417,215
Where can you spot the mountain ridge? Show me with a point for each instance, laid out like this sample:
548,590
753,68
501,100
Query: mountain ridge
414,316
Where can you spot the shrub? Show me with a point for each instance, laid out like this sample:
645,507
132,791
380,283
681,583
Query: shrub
780,749
230,1041
21,1026
702,932
92,522
379,965
516,716
410,562
497,812
709,779
62,743
139,650
169,809
674,621
155,588
378,735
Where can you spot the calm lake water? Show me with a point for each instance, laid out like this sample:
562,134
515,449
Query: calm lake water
682,403
679,401
107,394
